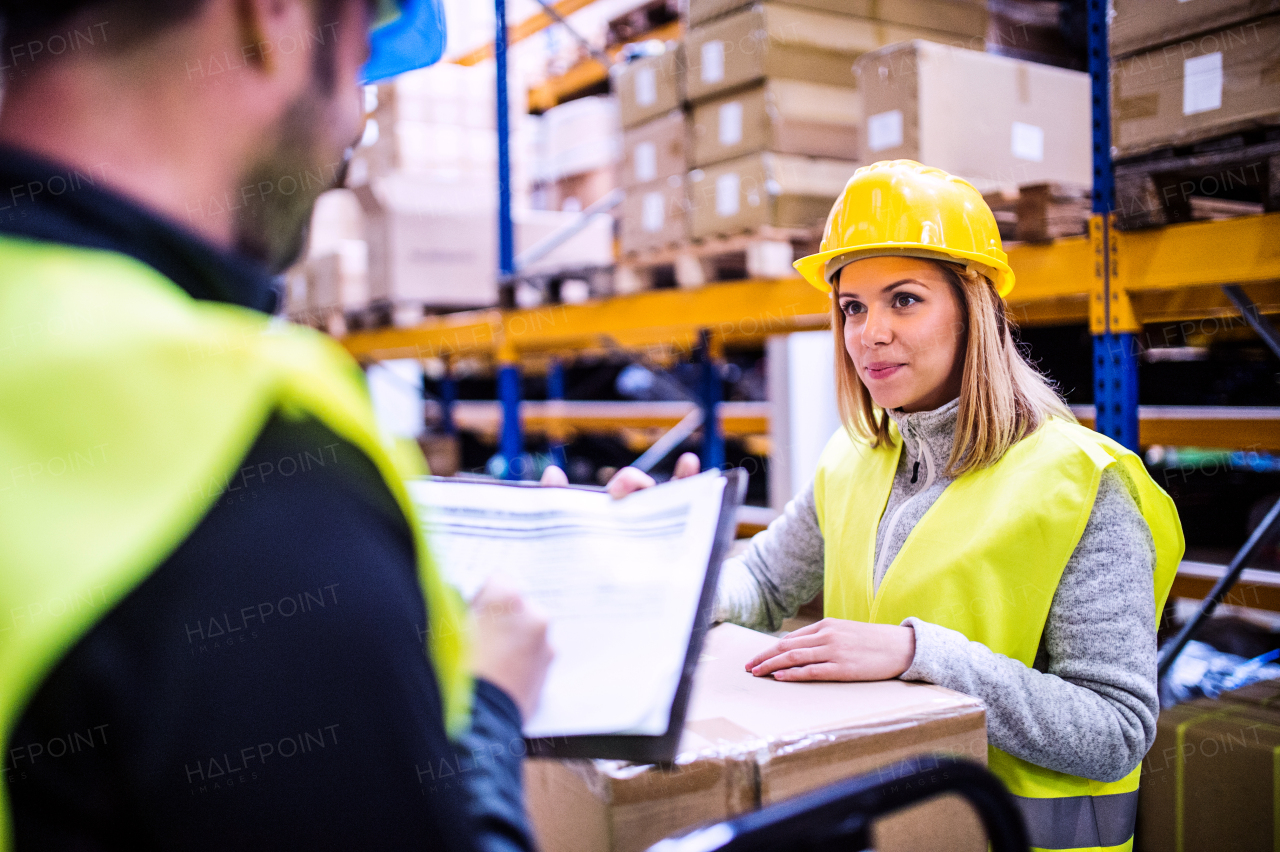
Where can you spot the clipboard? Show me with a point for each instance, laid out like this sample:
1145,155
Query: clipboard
638,748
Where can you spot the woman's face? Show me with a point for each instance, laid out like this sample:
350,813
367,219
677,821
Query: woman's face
904,330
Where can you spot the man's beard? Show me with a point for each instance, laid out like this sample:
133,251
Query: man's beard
281,188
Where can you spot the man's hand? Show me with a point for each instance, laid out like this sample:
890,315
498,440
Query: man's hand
836,649
510,649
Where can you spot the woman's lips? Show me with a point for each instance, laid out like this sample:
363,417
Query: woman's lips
882,370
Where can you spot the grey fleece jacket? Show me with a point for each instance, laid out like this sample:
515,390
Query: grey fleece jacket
1088,707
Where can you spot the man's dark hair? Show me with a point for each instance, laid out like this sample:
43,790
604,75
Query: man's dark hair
73,24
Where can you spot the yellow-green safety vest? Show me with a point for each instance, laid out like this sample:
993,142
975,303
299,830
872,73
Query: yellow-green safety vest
985,560
126,403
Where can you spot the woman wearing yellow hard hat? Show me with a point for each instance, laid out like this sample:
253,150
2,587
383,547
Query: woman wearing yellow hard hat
964,529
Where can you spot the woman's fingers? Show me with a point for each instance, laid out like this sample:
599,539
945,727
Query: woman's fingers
553,476
627,481
791,659
817,671
687,465
790,642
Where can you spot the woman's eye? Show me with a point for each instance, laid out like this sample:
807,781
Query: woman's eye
851,308
903,300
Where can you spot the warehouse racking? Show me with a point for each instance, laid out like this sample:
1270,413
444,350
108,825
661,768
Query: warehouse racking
1210,274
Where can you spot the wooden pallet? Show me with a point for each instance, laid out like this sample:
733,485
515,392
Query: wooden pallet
1232,175
763,253
1041,211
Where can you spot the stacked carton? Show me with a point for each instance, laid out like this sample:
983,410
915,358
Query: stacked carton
749,742
1210,781
774,110
1184,72
650,94
581,140
993,120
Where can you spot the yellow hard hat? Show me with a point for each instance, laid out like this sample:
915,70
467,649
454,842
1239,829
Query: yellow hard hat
899,207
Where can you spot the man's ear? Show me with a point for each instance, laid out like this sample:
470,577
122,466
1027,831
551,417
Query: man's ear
265,25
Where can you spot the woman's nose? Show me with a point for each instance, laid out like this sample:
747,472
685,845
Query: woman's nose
878,328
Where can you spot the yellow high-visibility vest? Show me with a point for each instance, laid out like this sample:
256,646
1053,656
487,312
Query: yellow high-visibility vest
985,560
126,406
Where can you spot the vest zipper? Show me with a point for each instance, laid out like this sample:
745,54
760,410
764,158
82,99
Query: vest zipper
923,449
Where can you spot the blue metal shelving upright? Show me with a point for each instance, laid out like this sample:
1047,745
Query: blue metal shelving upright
1115,357
511,441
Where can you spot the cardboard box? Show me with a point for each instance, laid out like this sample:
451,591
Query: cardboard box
1138,25
655,150
435,245
967,18
781,41
576,192
990,119
1216,83
582,135
649,87
778,190
754,741
654,217
783,116
1209,782
1264,693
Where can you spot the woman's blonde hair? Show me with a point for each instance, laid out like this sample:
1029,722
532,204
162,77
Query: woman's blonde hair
1003,397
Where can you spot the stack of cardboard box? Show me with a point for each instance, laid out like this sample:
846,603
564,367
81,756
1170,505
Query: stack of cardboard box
774,111
1184,72
761,103
996,121
650,94
1212,779
750,742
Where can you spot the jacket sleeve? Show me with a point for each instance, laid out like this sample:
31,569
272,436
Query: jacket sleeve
491,752
780,571
1089,705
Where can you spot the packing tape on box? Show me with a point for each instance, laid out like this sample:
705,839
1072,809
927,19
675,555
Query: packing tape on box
1179,776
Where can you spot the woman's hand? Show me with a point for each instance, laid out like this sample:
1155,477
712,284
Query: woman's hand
628,479
836,649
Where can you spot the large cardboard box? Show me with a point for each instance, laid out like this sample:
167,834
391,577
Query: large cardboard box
991,119
783,116
581,136
1209,85
654,216
783,41
1137,25
778,190
966,18
655,150
650,86
1209,784
752,741
435,245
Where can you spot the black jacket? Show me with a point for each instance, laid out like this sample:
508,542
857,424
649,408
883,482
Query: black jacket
266,687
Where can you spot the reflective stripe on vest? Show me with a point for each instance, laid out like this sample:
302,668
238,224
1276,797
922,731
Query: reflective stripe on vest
1079,822
128,406
985,560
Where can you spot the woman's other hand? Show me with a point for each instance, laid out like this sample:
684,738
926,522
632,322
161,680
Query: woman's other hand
836,649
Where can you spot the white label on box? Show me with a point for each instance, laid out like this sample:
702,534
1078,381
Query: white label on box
884,130
731,123
727,188
1027,142
652,212
646,87
713,61
646,156
1202,83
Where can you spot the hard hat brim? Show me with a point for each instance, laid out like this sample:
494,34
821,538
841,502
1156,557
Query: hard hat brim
813,267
